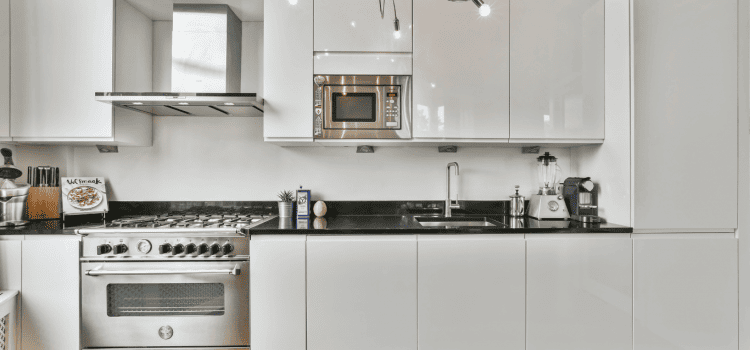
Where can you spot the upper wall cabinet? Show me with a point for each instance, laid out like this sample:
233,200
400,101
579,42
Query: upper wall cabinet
356,25
557,65
4,69
460,70
62,53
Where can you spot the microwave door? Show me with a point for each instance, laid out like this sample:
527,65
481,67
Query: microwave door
353,107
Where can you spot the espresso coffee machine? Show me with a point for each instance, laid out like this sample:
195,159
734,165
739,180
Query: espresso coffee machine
580,198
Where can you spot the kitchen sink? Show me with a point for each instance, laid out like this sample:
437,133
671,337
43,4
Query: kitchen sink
457,221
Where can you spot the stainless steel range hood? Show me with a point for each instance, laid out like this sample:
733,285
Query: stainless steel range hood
206,58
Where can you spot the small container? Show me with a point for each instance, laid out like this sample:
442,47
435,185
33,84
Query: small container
517,204
286,209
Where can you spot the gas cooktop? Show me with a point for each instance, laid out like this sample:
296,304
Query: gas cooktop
227,220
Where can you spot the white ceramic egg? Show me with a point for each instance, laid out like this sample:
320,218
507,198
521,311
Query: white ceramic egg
320,208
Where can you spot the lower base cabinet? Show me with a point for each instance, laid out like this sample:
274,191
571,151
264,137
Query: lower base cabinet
50,293
685,292
471,292
579,292
362,292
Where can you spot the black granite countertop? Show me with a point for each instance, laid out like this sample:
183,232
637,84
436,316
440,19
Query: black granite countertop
409,224
38,227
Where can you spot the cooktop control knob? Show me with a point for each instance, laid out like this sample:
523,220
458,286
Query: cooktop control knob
214,249
191,248
103,249
202,248
227,248
144,246
178,249
120,248
165,248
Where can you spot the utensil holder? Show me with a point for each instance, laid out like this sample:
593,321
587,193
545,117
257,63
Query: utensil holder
43,203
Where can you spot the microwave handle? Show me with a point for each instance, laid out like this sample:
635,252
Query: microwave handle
97,272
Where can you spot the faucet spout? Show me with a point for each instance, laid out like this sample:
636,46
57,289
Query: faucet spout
449,203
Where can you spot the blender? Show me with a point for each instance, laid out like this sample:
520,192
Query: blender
547,204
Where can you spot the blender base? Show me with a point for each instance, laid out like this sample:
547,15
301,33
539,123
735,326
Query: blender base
548,207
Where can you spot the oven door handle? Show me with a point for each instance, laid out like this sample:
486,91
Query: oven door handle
97,272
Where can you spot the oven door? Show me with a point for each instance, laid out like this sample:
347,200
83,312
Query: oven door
362,107
165,304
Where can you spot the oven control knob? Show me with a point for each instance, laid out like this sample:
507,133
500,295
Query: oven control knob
215,249
103,249
190,248
165,248
227,248
120,249
202,248
178,249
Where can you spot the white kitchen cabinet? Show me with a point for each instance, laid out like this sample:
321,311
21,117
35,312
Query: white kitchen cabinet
471,292
362,292
288,70
356,25
10,263
557,65
685,114
461,71
278,292
4,69
685,292
579,292
50,293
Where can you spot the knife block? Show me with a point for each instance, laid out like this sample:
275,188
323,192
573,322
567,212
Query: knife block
43,203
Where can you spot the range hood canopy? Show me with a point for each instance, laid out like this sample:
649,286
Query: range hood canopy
206,59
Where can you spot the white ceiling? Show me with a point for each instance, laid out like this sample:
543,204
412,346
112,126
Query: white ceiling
161,10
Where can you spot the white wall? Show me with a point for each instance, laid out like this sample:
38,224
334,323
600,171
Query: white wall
40,155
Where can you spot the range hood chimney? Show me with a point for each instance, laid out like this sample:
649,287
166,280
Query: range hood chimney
206,60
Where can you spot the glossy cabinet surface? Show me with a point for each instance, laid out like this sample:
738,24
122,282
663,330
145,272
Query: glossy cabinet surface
277,292
4,68
685,114
557,69
579,292
685,293
471,292
362,292
288,69
10,264
49,294
461,70
61,54
356,25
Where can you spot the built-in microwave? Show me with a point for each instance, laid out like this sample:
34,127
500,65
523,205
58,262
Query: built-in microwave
362,107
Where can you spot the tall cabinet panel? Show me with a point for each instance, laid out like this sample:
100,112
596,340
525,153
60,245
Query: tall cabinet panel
579,292
461,72
356,25
362,292
685,293
4,68
62,54
288,69
557,65
471,292
685,114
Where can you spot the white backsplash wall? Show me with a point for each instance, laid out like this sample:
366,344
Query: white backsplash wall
225,159
40,155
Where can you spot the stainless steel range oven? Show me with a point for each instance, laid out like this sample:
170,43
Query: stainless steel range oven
165,288
362,107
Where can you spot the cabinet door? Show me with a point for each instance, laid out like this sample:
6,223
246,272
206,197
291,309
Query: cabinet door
685,292
471,292
4,68
356,25
50,294
288,69
277,292
557,60
362,293
579,292
460,70
62,54
10,264
685,110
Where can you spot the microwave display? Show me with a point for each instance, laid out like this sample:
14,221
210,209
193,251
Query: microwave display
353,107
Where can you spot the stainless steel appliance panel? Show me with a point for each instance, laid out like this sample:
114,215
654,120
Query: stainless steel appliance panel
227,327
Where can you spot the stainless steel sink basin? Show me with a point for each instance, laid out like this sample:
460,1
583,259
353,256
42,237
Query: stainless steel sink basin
456,222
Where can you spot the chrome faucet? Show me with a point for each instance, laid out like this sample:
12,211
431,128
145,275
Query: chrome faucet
449,204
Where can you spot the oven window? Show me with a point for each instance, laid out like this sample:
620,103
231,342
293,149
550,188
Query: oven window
353,107
165,299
